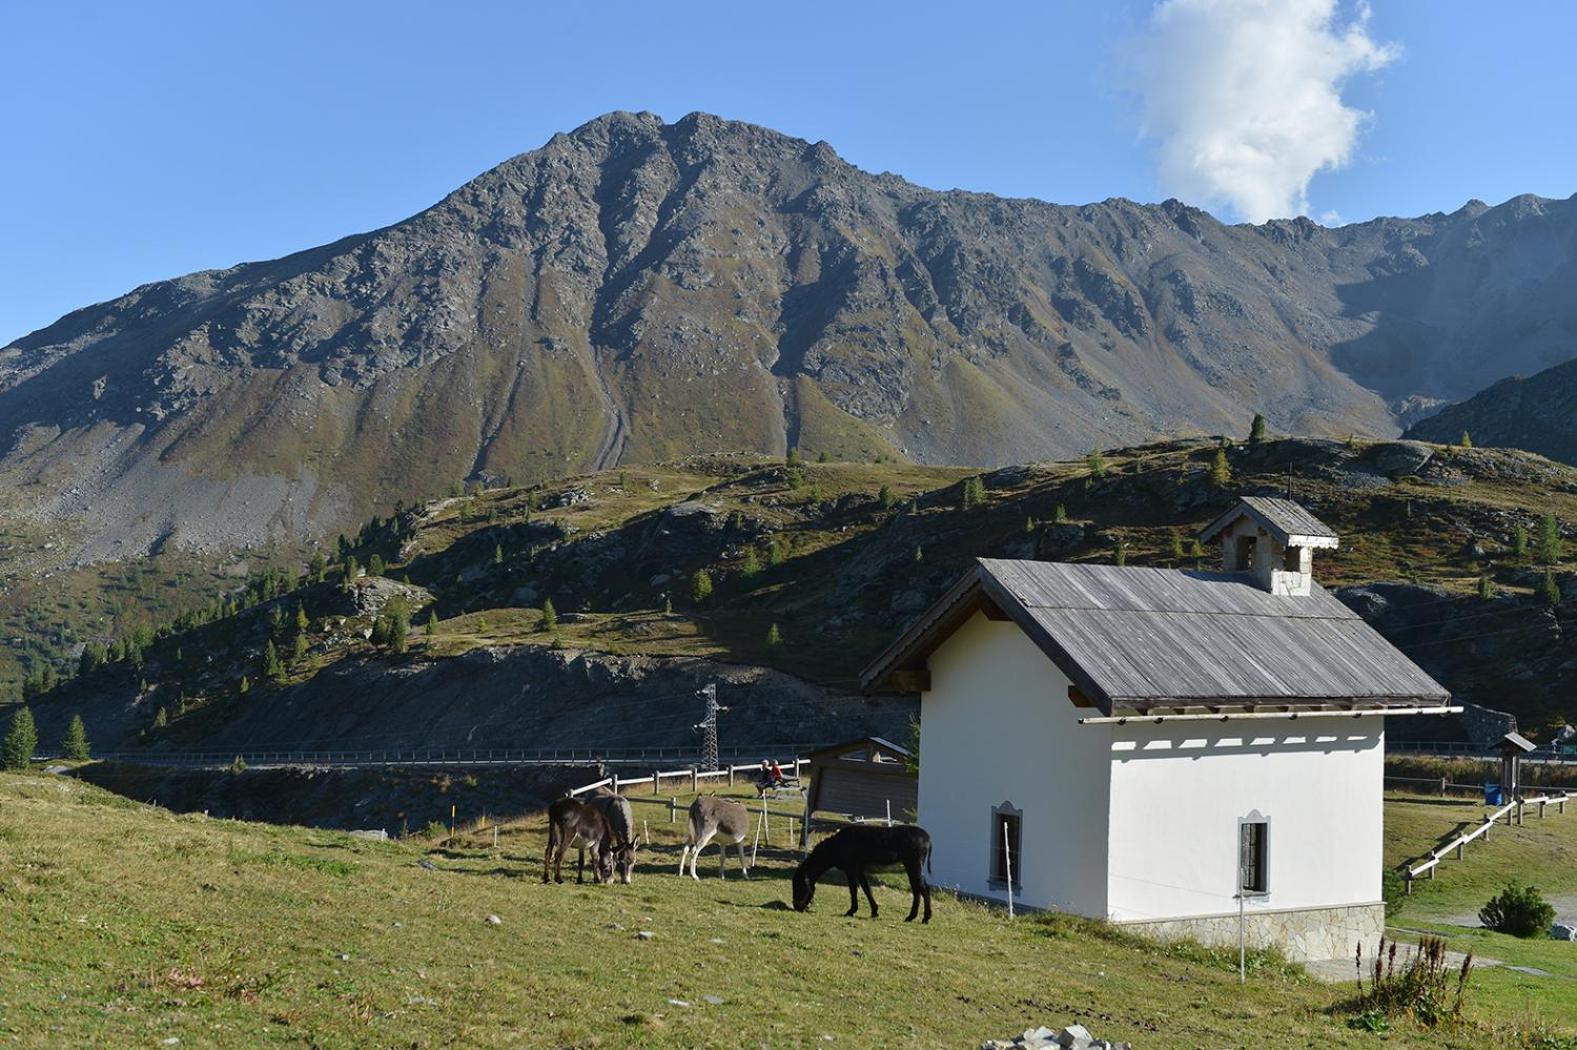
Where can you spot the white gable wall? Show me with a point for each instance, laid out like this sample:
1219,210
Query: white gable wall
1178,789
997,725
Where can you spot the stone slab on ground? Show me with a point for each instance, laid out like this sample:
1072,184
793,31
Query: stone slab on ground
1337,971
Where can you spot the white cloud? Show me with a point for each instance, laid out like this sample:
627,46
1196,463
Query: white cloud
1244,97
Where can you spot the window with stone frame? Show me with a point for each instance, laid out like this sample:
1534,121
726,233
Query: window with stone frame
1007,824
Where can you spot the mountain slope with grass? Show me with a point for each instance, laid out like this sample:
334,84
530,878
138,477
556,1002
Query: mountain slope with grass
781,580
127,925
635,291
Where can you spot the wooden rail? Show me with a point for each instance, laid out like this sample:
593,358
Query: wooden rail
694,776
1511,811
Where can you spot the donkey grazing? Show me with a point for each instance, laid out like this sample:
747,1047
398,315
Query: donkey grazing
723,818
621,823
861,846
571,820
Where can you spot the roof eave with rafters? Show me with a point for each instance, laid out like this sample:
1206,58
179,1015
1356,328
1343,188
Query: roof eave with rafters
937,624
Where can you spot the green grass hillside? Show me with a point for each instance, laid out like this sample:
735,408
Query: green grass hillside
126,925
812,567
1541,853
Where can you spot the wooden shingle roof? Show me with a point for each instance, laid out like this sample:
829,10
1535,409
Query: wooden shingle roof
1284,519
1141,638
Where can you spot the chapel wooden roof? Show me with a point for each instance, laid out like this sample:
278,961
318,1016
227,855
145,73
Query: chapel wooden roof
1143,639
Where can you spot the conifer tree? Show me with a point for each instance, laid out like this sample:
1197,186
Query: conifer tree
1221,470
822,457
298,648
1256,431
1120,553
792,459
1465,441
1549,590
774,638
774,552
1549,548
318,567
431,627
1177,547
21,741
375,565
245,685
750,564
1519,543
1060,515
887,498
1096,463
302,623
700,586
498,554
974,492
273,667
550,615
75,743
1485,588
161,718
399,626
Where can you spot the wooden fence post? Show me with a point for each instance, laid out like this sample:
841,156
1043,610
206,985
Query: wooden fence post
673,807
695,781
656,788
730,774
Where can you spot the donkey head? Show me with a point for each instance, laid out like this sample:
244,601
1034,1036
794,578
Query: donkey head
622,856
604,862
804,889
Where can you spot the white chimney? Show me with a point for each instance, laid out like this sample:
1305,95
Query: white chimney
1272,540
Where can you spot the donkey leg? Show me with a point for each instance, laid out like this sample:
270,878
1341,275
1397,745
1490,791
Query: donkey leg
865,884
547,857
912,867
695,855
580,865
742,866
684,855
853,879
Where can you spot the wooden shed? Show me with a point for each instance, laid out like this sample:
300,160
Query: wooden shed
859,779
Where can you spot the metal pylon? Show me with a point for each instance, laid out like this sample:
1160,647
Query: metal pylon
708,726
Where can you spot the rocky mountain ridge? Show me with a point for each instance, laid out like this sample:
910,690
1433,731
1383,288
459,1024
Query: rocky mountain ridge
1537,413
635,290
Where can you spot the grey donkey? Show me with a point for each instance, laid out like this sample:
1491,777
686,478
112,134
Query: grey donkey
726,820
621,822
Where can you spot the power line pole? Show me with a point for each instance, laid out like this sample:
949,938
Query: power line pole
708,726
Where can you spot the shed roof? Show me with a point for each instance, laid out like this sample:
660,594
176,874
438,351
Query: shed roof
867,744
1513,742
1284,519
1142,638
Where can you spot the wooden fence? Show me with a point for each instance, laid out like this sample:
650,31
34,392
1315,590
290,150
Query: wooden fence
689,778
1513,812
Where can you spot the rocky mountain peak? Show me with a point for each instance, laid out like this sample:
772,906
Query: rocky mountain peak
636,290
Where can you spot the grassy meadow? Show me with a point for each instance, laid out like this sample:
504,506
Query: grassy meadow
126,925
1542,853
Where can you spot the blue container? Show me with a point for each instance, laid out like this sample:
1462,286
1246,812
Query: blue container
1492,795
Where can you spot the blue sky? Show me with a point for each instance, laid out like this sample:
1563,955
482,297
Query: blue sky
142,141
